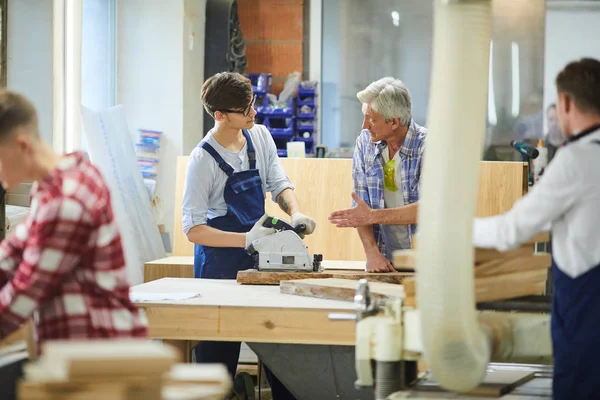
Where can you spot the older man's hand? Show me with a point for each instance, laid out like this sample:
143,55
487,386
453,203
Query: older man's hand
361,215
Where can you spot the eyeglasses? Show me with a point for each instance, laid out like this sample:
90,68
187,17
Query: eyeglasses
389,175
245,111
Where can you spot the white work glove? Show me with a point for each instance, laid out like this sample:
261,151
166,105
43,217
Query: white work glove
299,218
258,231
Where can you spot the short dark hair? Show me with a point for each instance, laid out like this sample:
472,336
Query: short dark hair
226,91
581,80
16,111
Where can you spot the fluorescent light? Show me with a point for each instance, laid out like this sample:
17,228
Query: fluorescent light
72,77
492,117
396,18
516,83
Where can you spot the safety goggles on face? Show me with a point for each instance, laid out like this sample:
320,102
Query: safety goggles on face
389,176
245,111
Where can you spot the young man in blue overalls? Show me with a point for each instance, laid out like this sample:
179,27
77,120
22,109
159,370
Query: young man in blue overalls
567,201
228,175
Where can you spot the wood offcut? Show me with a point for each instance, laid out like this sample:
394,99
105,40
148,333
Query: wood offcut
255,277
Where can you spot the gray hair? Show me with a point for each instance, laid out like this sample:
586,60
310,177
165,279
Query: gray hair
388,97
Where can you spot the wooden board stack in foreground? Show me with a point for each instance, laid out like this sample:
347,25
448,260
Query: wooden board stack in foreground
119,370
498,275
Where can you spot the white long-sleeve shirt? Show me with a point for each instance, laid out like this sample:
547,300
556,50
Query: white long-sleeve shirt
565,200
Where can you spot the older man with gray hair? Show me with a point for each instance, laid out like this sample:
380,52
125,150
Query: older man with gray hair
386,169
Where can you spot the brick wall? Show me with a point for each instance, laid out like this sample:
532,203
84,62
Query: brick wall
273,32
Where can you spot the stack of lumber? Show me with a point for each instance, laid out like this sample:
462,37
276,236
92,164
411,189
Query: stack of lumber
118,370
498,275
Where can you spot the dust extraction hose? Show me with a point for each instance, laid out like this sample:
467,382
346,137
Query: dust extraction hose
457,349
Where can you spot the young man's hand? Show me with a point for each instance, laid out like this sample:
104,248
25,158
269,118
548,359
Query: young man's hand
299,219
376,262
361,215
258,231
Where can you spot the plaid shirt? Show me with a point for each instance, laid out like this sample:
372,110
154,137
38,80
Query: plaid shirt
66,261
367,172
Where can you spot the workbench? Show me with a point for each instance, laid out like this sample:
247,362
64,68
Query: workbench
311,354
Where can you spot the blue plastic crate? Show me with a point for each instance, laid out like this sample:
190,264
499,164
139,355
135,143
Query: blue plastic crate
261,83
306,112
282,133
279,110
306,101
305,125
307,88
261,105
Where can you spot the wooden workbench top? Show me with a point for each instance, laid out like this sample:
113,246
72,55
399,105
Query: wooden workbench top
226,311
227,293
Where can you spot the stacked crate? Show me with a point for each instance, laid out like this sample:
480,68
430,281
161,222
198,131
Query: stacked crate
306,115
278,119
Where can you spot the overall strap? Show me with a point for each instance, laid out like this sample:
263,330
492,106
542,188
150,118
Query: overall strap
228,169
250,149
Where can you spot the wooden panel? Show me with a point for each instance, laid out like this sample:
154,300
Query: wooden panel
250,324
339,289
500,185
254,277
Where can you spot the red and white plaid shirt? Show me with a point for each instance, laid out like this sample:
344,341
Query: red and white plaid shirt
66,261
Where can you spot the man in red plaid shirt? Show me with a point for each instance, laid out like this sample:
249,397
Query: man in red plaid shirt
64,264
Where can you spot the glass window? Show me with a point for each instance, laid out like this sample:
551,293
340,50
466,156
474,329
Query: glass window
362,43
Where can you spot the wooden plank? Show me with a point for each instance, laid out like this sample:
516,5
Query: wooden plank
255,277
500,185
499,287
517,264
383,277
339,289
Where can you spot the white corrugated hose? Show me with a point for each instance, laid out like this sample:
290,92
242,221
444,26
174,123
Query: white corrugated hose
457,349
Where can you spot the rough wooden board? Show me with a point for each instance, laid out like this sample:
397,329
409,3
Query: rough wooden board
517,264
383,277
255,277
338,289
499,287
406,259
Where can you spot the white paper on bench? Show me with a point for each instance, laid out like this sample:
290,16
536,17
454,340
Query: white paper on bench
137,297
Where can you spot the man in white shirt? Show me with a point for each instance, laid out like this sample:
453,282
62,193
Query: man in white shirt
567,201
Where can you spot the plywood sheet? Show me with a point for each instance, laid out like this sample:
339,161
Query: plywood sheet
500,185
254,277
339,289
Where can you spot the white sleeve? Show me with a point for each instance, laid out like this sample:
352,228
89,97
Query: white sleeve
550,198
199,181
